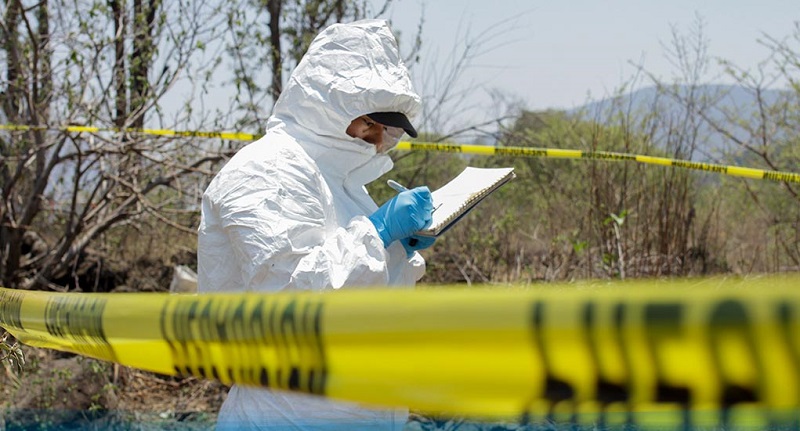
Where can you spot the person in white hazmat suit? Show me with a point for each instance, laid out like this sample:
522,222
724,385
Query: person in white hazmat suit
290,210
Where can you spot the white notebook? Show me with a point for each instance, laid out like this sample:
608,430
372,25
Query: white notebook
456,198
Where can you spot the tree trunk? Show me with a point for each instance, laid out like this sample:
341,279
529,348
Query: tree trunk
274,9
11,102
120,24
144,16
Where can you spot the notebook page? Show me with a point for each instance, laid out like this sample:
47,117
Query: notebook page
457,195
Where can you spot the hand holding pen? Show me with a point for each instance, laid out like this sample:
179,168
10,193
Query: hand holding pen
403,215
412,243
401,188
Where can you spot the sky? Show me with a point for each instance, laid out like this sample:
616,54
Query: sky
563,53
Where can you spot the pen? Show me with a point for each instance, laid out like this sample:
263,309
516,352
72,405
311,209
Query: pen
401,188
396,186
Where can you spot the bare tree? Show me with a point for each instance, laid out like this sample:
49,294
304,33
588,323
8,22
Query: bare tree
260,55
450,103
62,191
760,133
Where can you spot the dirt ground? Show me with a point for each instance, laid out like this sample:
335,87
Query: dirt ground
65,391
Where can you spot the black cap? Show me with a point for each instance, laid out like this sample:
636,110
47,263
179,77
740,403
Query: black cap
394,119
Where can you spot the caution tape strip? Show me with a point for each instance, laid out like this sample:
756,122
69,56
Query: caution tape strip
485,150
736,171
707,352
235,136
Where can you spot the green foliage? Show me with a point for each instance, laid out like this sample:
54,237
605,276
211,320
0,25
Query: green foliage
619,220
566,219
584,218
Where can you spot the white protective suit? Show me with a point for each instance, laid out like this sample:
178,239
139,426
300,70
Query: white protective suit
289,211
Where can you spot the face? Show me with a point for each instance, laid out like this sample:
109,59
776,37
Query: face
383,137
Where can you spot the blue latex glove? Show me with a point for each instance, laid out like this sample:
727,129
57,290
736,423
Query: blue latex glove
404,214
420,243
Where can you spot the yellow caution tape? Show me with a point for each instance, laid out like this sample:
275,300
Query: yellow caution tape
483,150
602,155
235,136
705,352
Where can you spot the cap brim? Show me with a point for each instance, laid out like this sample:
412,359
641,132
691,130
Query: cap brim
394,119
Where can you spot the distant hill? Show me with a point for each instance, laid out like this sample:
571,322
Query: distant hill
723,102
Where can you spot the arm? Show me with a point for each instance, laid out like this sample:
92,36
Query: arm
280,222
